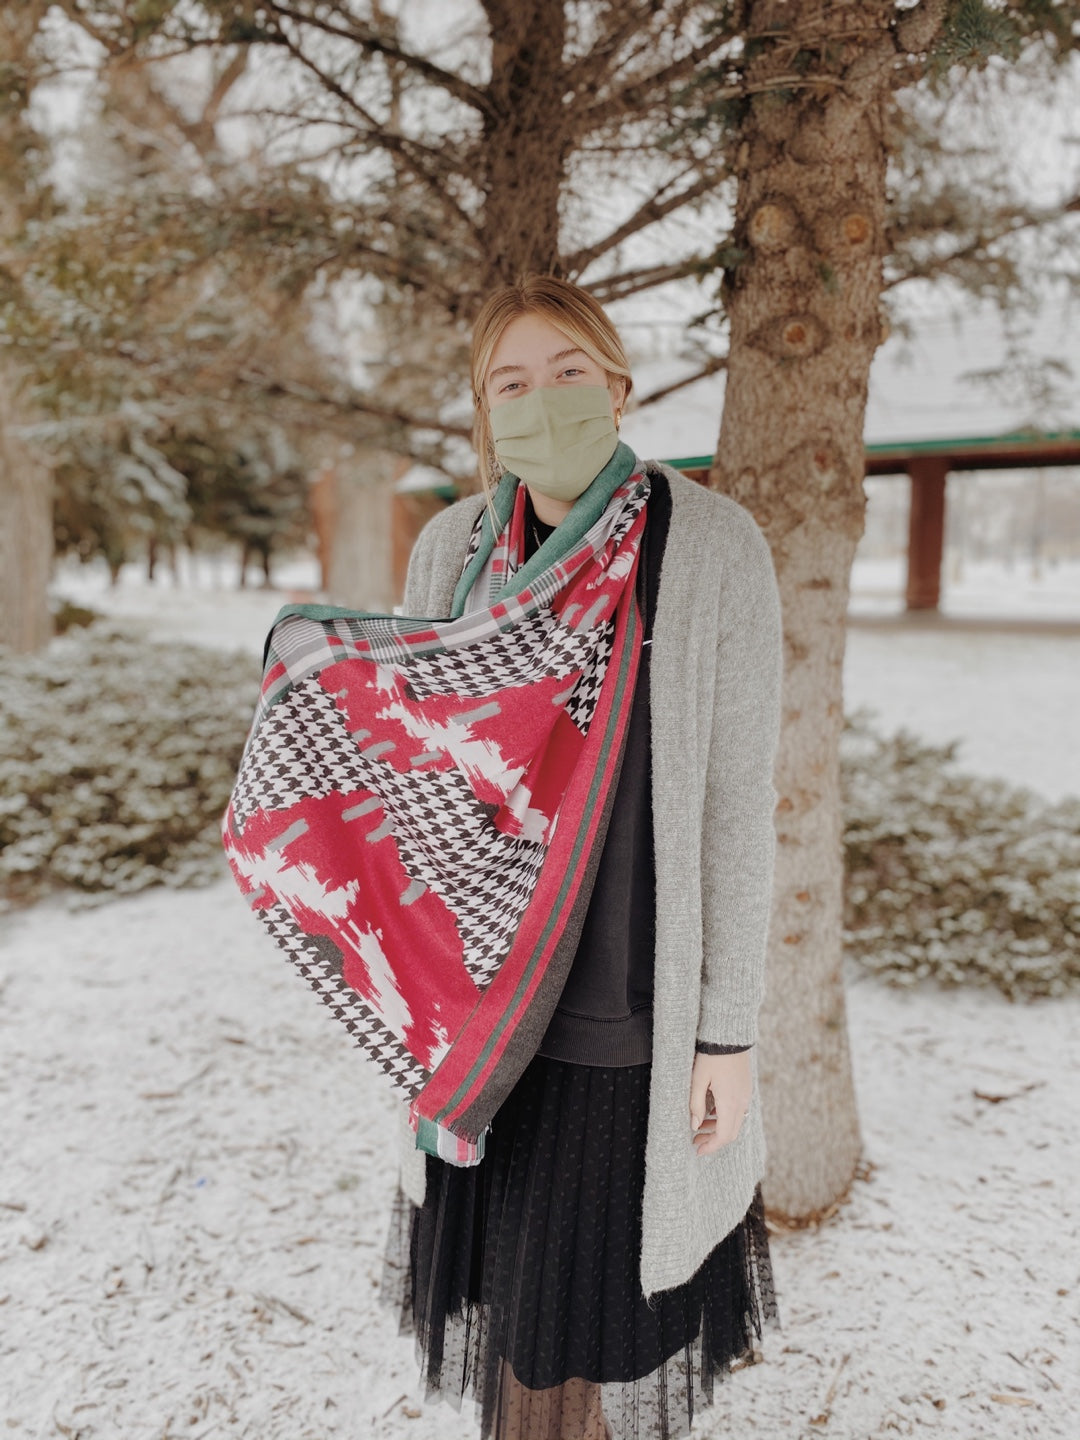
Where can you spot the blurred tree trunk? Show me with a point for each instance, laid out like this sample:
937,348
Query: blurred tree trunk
26,539
361,565
803,305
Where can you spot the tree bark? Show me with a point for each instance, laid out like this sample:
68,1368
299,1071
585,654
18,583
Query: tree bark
26,538
803,307
526,141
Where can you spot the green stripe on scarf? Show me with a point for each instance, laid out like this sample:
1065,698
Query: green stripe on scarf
586,512
570,873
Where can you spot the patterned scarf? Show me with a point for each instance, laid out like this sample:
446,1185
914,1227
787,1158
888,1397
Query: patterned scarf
421,803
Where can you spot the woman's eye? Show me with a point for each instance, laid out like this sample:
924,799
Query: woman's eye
572,370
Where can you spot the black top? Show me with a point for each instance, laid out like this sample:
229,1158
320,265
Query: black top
604,1016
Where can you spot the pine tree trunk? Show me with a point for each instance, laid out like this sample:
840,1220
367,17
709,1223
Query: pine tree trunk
26,538
803,305
525,146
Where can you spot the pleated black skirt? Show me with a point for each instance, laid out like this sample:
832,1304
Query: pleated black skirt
520,1277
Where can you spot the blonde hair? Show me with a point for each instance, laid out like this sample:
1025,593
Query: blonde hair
571,310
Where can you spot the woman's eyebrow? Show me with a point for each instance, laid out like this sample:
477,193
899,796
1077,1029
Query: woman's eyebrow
551,360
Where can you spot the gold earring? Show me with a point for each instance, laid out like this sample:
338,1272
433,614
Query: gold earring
618,418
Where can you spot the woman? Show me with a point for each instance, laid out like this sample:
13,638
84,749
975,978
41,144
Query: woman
607,1257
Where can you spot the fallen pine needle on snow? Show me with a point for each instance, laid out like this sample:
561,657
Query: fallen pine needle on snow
822,1417
1000,1099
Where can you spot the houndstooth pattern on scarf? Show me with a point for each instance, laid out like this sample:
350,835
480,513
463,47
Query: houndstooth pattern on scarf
328,807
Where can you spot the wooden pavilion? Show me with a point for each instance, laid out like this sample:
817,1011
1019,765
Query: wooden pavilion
928,464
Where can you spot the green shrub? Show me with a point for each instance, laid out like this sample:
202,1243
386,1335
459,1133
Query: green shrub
117,757
967,880
69,616
116,761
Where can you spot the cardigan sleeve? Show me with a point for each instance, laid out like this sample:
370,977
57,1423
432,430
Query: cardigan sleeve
435,562
738,838
418,575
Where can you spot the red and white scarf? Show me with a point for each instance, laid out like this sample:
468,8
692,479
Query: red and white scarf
421,804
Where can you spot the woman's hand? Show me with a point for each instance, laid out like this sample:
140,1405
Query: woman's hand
720,1091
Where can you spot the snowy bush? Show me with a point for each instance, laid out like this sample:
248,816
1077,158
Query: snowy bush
117,757
116,761
67,616
967,880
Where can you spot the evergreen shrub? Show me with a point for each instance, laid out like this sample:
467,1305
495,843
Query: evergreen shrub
69,616
966,880
116,761
117,757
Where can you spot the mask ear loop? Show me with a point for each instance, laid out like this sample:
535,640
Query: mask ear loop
490,471
494,475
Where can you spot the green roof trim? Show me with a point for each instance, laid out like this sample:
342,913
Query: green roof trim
892,449
928,447
691,462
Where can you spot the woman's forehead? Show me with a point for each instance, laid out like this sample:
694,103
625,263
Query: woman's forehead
529,340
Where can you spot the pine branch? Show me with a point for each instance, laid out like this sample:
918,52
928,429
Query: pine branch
368,136
1010,222
793,81
632,282
354,401
198,133
629,20
649,213
370,42
387,267
224,83
711,366
413,156
632,27
78,17
381,138
638,96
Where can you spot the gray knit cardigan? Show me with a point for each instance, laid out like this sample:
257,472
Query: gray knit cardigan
715,698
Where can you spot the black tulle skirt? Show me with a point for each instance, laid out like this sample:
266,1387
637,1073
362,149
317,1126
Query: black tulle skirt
520,1277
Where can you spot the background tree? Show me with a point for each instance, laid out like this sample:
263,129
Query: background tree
135,344
245,486
25,538
399,159
315,154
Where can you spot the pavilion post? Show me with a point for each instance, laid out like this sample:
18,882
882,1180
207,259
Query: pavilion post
926,531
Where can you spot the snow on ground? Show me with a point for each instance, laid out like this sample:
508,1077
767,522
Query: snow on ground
198,1169
206,608
998,669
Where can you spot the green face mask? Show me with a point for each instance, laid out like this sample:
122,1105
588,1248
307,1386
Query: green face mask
557,438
